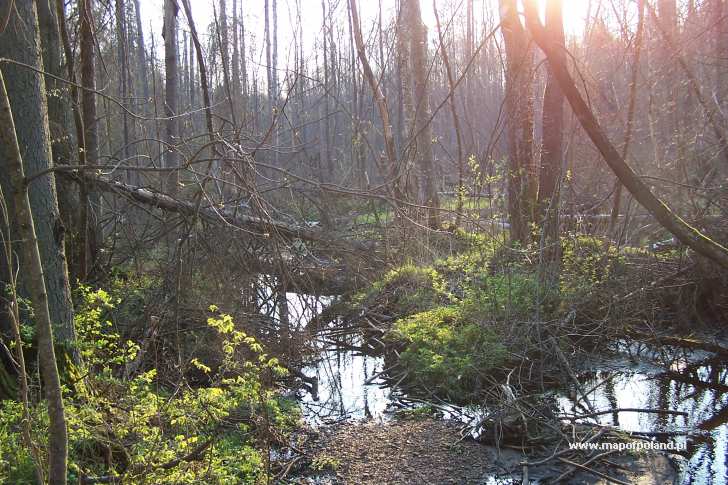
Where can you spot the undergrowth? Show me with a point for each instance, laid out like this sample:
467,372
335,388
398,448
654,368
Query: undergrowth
133,427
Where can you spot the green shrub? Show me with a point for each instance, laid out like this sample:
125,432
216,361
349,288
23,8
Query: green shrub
146,424
446,352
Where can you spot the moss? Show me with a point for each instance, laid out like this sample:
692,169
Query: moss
405,290
446,352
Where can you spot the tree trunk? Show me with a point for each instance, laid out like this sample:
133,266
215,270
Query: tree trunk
551,148
122,48
29,102
274,60
26,91
392,173
519,122
459,192
141,53
63,137
268,58
406,126
423,125
90,201
685,233
324,129
236,59
171,84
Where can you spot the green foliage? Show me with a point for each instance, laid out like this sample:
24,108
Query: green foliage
325,462
512,296
588,267
147,426
16,464
406,290
375,216
417,413
447,352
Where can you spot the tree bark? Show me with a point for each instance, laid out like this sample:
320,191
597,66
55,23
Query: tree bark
171,89
90,202
519,122
685,233
26,91
63,137
29,239
551,148
422,121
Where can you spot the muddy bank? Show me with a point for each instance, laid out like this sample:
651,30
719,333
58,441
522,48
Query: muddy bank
431,451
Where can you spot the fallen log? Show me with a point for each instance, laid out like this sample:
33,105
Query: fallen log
688,343
164,202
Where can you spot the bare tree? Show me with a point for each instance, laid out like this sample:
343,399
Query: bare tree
683,231
393,184
453,109
171,88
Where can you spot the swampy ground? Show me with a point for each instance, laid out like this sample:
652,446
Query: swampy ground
363,428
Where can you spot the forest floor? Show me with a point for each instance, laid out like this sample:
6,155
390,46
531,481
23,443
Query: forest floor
432,451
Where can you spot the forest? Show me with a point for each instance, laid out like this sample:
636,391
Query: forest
363,241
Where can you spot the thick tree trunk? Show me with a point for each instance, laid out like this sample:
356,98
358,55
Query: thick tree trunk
26,91
63,136
423,126
29,240
90,201
685,233
521,175
406,123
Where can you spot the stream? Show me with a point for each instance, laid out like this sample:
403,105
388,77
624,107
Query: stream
631,376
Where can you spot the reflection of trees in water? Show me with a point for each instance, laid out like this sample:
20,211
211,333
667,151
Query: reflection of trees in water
699,388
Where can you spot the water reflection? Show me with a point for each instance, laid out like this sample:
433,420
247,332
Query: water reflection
681,381
345,391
